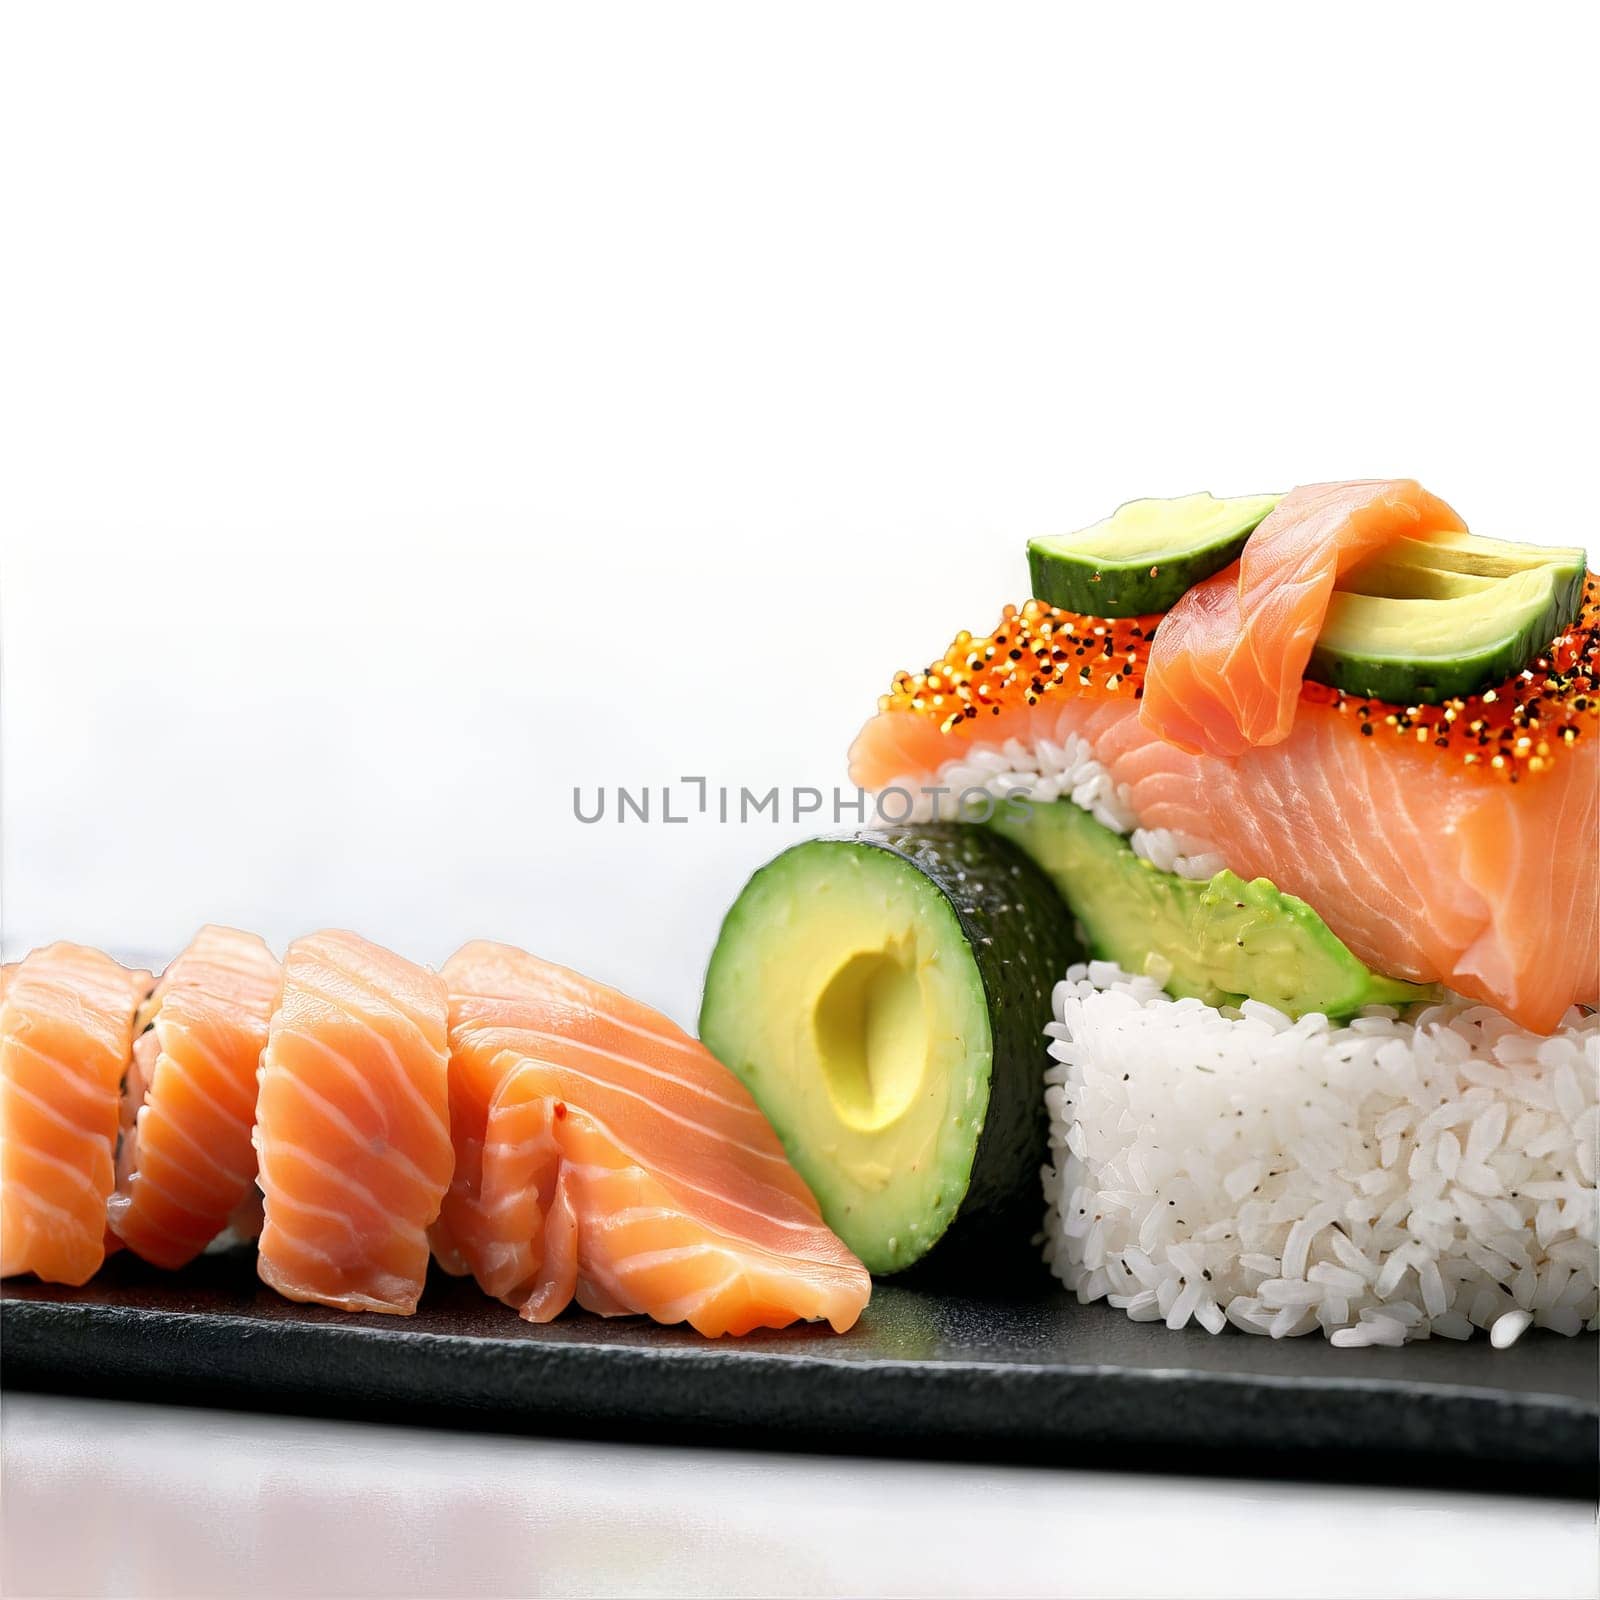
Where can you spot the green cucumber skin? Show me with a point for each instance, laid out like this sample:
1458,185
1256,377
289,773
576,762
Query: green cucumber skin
1022,940
1411,683
1131,591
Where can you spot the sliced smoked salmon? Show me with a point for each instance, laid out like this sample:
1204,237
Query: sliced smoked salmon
66,1037
1454,844
352,1126
1227,663
605,1156
186,1164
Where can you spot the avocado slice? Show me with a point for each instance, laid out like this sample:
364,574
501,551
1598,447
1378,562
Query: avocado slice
1428,620
1464,554
883,998
1222,941
1145,555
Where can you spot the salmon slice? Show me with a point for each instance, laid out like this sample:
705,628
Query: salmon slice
1425,873
186,1164
66,1037
605,1156
1225,671
352,1126
1452,845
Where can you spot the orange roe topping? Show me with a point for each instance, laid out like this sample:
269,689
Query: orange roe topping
1035,650
1518,726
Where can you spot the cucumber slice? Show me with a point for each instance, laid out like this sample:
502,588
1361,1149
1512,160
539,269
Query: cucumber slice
1428,620
1141,559
884,999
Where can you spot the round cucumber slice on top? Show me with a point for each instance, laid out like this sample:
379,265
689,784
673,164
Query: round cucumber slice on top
884,999
1141,559
1428,620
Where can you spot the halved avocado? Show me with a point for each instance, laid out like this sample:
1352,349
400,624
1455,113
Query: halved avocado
883,998
1221,941
1145,555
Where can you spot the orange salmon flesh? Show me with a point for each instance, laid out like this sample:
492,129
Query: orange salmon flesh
187,1164
66,1039
1451,844
352,1126
604,1156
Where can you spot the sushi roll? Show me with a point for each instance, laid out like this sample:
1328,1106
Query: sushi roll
1318,778
1442,841
186,1168
66,1041
604,1157
352,1126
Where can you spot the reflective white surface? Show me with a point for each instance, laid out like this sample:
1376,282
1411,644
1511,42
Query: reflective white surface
113,1499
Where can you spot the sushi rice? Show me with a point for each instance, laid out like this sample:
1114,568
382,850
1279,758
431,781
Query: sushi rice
1053,769
1384,1181
1396,1178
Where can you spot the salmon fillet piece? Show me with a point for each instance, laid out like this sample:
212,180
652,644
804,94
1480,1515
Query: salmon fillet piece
1227,664
66,1037
186,1164
1442,847
605,1156
352,1126
1424,871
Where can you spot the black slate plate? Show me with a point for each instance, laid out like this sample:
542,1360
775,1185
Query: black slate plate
1036,1377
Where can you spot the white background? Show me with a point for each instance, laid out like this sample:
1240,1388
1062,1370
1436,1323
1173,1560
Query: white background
410,413
407,413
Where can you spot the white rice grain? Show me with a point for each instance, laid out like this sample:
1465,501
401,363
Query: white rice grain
1399,1177
1509,1328
1061,768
